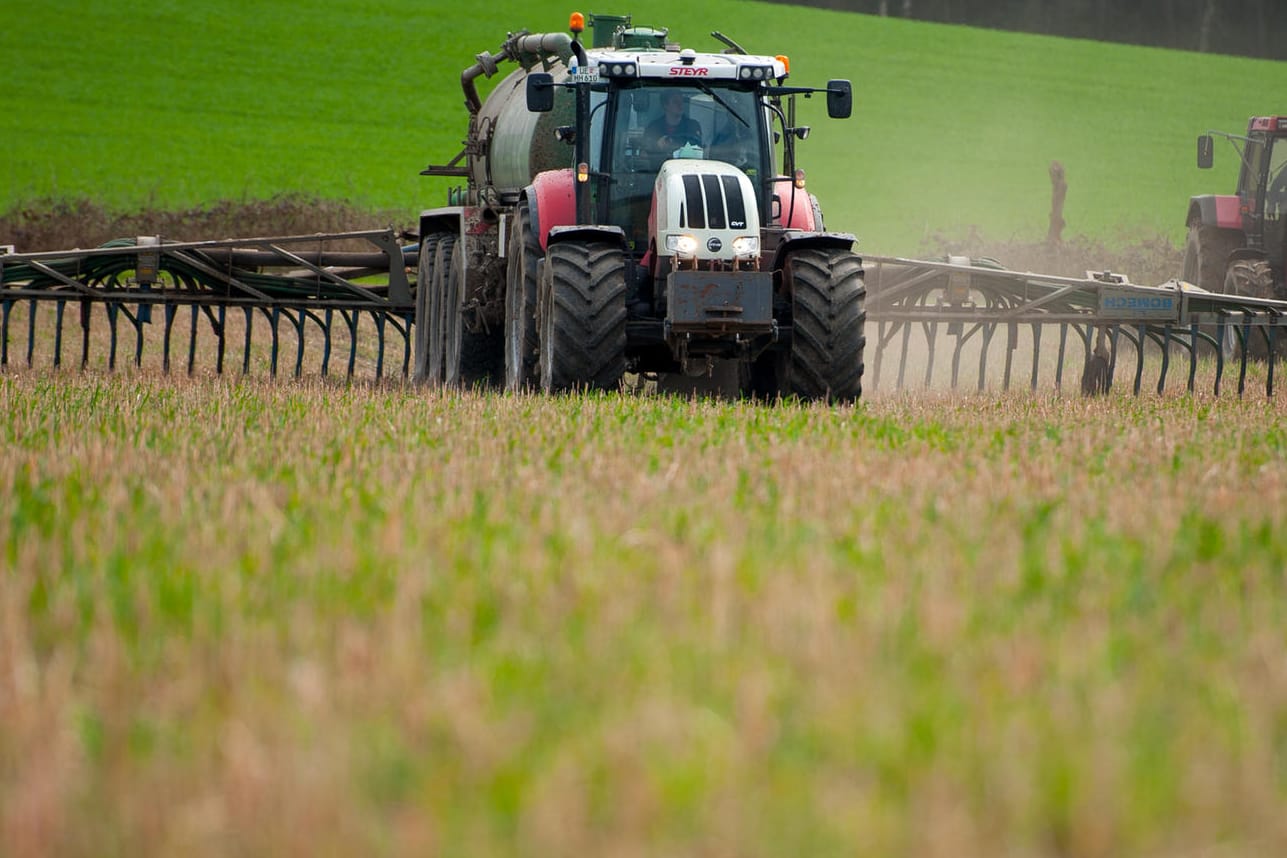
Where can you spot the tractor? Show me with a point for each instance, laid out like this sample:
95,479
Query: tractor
635,208
1237,244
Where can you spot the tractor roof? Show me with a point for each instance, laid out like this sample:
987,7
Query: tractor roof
1271,124
684,64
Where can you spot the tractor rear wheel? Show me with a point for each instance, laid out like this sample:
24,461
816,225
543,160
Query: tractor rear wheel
520,303
582,317
828,317
1206,254
424,286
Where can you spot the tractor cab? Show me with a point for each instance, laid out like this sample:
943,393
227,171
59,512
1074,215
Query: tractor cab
651,123
1260,203
1237,242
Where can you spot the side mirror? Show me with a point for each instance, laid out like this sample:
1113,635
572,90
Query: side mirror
540,92
840,99
1206,152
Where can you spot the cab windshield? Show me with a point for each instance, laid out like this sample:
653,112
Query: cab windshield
1276,189
652,123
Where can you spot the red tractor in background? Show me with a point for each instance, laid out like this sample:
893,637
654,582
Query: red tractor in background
1237,243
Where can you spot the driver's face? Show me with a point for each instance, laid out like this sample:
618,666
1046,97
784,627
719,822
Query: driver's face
674,104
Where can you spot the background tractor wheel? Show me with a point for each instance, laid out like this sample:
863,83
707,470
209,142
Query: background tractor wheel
1251,278
424,285
520,303
582,317
828,315
1206,253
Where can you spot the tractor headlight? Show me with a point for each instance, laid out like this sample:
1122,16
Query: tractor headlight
682,245
746,246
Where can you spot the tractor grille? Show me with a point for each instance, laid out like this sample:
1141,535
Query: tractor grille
713,202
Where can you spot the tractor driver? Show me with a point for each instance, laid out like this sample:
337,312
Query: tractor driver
672,129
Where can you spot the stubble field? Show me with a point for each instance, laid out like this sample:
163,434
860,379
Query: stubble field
303,618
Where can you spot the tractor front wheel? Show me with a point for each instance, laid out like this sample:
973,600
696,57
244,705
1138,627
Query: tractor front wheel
828,318
581,310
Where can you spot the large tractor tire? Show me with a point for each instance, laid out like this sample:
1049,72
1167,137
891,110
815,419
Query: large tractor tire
444,262
582,317
520,303
1206,255
828,319
424,286
1250,278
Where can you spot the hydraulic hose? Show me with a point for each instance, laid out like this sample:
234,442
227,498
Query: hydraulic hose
524,48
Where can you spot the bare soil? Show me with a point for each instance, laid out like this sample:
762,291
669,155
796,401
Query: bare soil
62,224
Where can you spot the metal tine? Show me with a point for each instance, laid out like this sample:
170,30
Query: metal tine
31,333
1272,335
220,339
273,318
379,330
1139,357
875,363
402,326
986,344
902,364
192,342
956,357
111,325
894,329
5,308
59,308
1112,358
931,340
137,321
171,310
245,352
299,321
86,315
1193,356
1166,358
351,319
1059,364
1011,337
326,341
1244,336
1036,353
304,316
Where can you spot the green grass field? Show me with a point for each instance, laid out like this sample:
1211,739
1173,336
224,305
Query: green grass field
299,619
133,105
